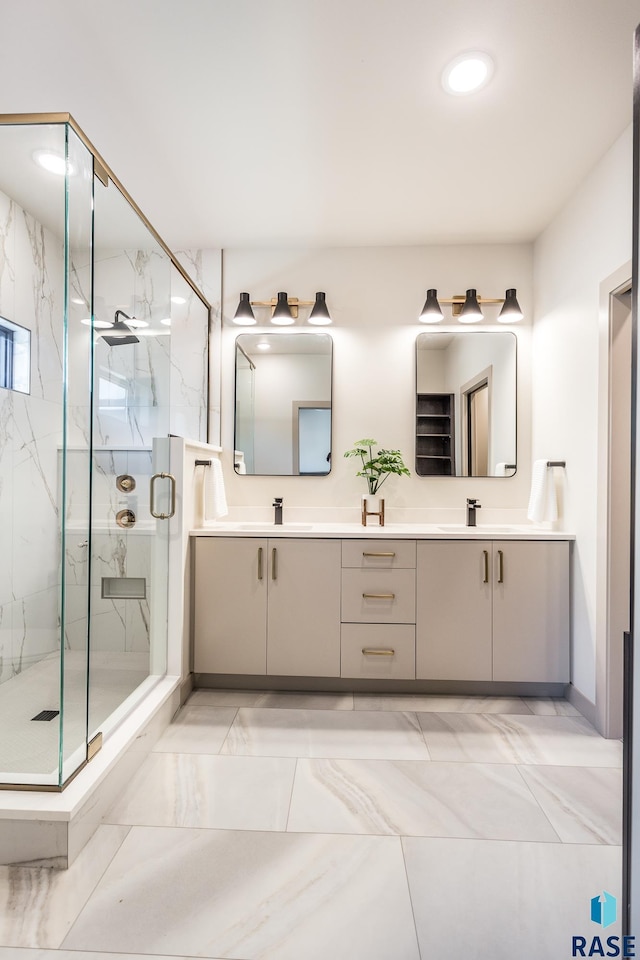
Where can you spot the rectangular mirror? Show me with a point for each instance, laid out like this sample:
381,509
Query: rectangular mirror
466,404
283,404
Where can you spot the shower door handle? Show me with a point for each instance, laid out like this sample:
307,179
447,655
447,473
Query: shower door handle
152,496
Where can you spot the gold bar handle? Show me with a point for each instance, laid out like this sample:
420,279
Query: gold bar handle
274,564
364,554
500,566
378,596
371,652
485,555
259,563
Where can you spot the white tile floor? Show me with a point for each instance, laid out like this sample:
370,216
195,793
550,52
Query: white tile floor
339,827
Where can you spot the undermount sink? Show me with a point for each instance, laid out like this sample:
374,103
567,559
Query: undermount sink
274,526
462,527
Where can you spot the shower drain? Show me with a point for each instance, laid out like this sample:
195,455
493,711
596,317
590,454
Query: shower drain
46,715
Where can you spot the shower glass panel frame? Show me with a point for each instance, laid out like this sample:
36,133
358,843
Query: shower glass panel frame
68,565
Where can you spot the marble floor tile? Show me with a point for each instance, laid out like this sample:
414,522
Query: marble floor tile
251,895
488,738
584,804
326,733
440,704
504,899
197,730
416,799
196,790
295,700
38,905
550,706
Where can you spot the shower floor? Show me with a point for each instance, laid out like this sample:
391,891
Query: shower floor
31,747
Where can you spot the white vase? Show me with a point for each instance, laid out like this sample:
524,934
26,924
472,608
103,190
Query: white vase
372,509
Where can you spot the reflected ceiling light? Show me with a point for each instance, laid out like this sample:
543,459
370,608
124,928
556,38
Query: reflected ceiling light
178,299
135,323
78,300
263,345
53,162
467,73
244,315
471,312
468,309
431,312
98,324
511,312
282,315
166,321
320,315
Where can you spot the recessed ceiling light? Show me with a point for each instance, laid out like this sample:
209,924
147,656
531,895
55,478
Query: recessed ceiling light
178,300
98,324
467,73
166,321
53,162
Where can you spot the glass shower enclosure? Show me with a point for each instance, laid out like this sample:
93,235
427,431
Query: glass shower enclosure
103,355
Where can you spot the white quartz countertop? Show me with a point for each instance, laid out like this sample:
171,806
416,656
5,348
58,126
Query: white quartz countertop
391,531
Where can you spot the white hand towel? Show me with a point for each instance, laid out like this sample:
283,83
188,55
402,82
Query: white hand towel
215,500
542,502
501,470
241,467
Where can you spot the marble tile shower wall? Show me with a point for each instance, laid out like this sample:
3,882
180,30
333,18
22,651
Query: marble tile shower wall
31,294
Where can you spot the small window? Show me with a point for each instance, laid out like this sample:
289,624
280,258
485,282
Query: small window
15,356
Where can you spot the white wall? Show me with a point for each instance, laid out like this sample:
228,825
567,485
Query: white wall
588,241
375,295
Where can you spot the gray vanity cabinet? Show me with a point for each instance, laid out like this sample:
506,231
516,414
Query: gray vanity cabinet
453,614
493,610
230,605
267,606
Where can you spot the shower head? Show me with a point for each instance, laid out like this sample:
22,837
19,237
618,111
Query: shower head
120,334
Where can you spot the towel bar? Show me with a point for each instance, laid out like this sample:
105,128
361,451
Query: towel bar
203,463
556,463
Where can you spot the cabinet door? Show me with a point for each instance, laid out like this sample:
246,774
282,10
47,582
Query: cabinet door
531,611
453,624
230,614
303,638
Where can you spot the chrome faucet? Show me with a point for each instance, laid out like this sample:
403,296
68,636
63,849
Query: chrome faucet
472,506
277,503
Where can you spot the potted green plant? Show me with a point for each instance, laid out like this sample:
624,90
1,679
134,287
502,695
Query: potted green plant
376,468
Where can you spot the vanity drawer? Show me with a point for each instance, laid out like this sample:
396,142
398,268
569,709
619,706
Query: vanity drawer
378,651
379,596
379,554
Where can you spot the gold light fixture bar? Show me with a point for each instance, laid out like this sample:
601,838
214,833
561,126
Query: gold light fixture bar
293,302
457,302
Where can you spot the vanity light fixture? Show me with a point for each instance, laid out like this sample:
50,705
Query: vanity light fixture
431,312
471,312
244,315
284,310
320,316
282,315
511,312
468,309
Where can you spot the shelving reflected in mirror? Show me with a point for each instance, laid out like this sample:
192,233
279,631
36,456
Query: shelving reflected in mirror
466,404
283,404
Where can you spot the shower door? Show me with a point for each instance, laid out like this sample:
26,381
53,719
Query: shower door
131,483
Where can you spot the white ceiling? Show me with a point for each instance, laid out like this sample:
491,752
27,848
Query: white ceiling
322,122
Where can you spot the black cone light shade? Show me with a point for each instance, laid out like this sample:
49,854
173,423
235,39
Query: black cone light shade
511,312
320,315
471,312
244,315
431,312
282,315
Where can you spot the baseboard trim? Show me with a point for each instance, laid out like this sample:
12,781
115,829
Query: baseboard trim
583,704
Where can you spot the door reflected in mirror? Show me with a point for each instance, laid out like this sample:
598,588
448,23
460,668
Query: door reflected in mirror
283,404
466,404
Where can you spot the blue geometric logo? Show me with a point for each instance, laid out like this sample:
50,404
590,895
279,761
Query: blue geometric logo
604,909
